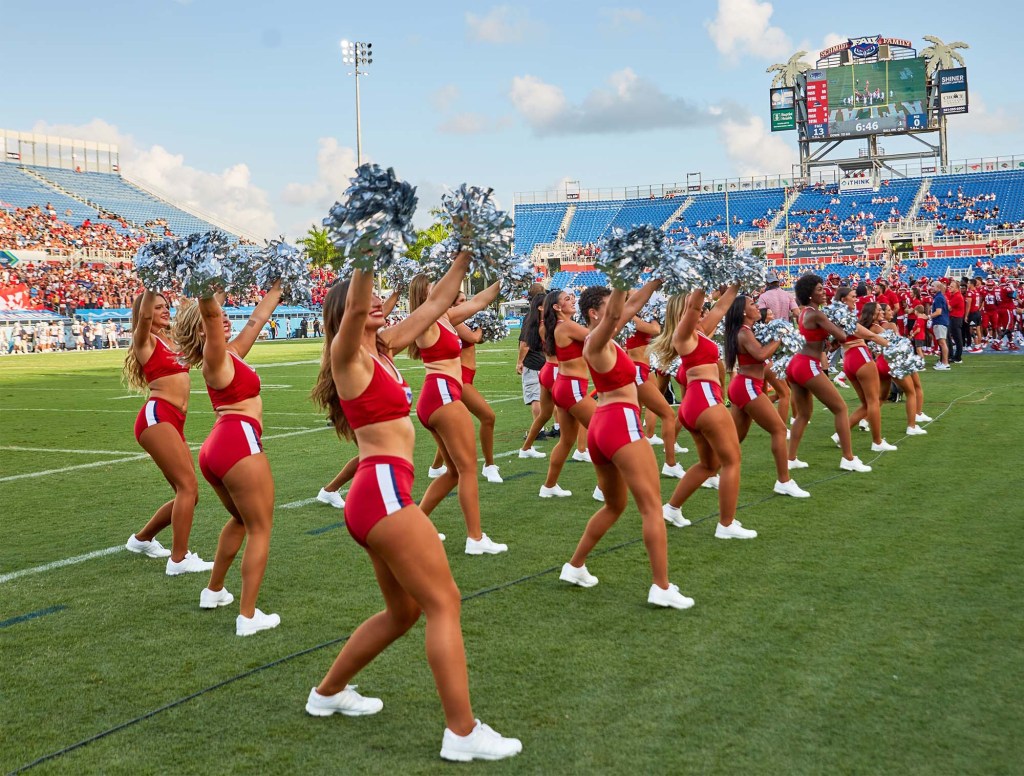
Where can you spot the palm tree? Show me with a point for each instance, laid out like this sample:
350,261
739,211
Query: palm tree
319,248
941,56
786,74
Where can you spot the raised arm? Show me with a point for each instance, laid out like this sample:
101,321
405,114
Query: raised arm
869,334
144,325
347,342
390,303
651,328
217,367
688,321
607,327
399,336
754,348
243,343
470,307
636,301
714,317
466,334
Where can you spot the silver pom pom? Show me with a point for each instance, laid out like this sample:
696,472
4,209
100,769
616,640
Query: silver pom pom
678,269
516,275
720,264
654,310
625,256
206,264
842,316
373,224
792,341
670,369
900,356
439,257
400,273
481,228
779,366
278,259
491,325
156,263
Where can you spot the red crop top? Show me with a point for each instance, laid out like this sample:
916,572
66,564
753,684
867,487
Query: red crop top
162,363
706,352
570,352
448,345
637,340
745,359
811,335
623,372
387,397
244,385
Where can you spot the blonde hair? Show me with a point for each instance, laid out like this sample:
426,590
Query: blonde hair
188,326
132,376
661,346
419,290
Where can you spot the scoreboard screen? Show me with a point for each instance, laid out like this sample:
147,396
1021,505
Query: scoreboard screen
867,99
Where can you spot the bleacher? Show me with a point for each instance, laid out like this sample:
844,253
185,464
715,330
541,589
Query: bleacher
744,207
850,204
537,224
1008,188
20,190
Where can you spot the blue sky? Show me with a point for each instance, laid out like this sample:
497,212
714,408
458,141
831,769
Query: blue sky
244,109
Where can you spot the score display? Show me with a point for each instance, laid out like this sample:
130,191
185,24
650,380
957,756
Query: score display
867,99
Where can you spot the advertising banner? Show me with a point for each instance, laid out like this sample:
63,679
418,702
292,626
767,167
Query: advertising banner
826,250
953,91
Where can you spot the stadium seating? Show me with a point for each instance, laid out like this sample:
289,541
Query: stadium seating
20,190
744,207
537,224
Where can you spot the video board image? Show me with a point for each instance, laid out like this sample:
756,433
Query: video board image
867,99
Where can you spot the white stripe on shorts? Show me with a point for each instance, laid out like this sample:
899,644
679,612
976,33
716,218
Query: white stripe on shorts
709,394
639,377
444,391
250,437
386,485
815,370
151,413
632,426
577,394
751,390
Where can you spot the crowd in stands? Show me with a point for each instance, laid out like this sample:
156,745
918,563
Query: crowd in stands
41,229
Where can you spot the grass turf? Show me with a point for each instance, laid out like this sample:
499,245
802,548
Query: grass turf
874,627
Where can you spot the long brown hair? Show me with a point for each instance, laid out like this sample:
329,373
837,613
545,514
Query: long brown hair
419,290
661,346
188,326
131,373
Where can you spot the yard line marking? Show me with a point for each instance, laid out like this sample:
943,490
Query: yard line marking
292,428
285,363
296,504
33,615
63,450
60,563
28,475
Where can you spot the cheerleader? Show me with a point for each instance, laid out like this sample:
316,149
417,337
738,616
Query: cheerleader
232,458
622,455
443,413
746,389
862,372
532,339
367,400
704,415
152,365
807,380
878,318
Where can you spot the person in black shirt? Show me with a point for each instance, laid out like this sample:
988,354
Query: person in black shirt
531,356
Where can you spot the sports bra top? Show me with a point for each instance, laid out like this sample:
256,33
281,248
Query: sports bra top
745,359
706,352
637,340
571,351
244,385
466,345
448,345
162,363
811,335
623,372
386,397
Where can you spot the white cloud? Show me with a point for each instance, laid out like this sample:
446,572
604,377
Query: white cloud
502,24
980,120
618,18
473,124
744,27
228,196
443,98
628,103
754,150
335,164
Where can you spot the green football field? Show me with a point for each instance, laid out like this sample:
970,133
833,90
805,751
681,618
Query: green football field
900,80
873,628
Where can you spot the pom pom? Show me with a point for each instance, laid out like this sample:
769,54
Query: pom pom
516,275
717,263
677,269
842,316
439,257
654,310
491,325
670,369
901,357
278,260
400,273
373,224
779,366
627,331
792,341
479,226
204,265
625,256
156,263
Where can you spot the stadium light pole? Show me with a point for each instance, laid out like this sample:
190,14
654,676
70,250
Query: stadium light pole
357,53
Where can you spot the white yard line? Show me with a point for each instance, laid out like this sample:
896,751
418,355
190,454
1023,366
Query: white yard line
63,450
296,504
60,563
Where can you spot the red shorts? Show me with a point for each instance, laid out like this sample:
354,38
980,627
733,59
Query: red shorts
613,426
468,375
989,318
802,368
569,390
643,371
1004,318
855,358
700,394
883,367
547,376
159,411
232,438
438,390
744,389
381,487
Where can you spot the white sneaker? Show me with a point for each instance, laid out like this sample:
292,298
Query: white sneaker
654,439
883,447
597,495
331,498
187,565
151,549
853,465
840,380
211,599
668,597
554,491
835,438
941,367
583,457
347,702
864,425
530,452
246,626
676,471
674,515
435,473
734,531
922,418
796,463
790,488
484,546
710,482
915,431
680,449
577,576
482,743
491,474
